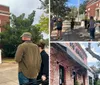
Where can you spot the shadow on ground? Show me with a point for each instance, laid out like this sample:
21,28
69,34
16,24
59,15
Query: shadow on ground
79,34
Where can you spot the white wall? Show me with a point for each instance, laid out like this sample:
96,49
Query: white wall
91,75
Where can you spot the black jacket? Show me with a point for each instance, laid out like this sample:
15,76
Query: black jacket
44,65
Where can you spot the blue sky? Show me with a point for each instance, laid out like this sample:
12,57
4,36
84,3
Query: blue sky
91,60
74,2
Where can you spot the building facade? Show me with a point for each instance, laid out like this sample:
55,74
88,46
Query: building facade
93,9
4,16
4,19
91,77
68,64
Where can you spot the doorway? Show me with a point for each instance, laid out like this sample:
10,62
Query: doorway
61,75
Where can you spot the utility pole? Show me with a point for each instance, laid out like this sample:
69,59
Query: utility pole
78,9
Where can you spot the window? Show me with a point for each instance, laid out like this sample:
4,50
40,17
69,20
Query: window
88,9
61,75
90,80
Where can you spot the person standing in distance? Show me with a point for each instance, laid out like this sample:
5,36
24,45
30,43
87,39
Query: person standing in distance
92,26
59,29
29,60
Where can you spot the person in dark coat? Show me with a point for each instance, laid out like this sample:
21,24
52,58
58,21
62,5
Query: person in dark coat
44,71
72,24
86,22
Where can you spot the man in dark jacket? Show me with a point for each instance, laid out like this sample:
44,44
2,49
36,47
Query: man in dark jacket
72,24
44,71
29,60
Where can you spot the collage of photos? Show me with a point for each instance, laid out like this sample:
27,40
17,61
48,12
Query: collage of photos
49,42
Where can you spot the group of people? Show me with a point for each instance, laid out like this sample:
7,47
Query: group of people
33,62
89,25
59,24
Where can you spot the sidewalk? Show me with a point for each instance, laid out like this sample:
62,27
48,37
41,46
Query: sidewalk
78,34
8,74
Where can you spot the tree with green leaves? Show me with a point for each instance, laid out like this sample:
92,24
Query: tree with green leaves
10,38
73,13
44,19
83,7
45,5
44,24
59,7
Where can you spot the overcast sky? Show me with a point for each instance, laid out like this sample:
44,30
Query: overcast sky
18,7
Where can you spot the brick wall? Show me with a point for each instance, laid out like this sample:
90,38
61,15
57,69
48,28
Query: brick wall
91,8
56,56
4,16
54,69
4,8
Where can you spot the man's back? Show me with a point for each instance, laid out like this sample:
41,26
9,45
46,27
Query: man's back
92,24
28,58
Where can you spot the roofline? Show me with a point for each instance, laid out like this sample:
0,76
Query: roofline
90,4
4,5
91,70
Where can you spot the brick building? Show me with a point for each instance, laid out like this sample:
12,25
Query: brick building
4,16
68,64
93,9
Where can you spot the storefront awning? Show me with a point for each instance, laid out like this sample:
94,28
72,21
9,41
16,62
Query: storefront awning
74,57
71,55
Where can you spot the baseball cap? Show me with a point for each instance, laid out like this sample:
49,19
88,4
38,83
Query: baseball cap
27,34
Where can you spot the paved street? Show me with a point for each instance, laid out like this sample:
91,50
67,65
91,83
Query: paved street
78,34
8,74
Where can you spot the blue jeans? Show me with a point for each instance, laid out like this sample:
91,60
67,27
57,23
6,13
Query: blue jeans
92,33
23,80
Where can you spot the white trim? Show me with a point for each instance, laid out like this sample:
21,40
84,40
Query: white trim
4,11
92,3
88,9
4,14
